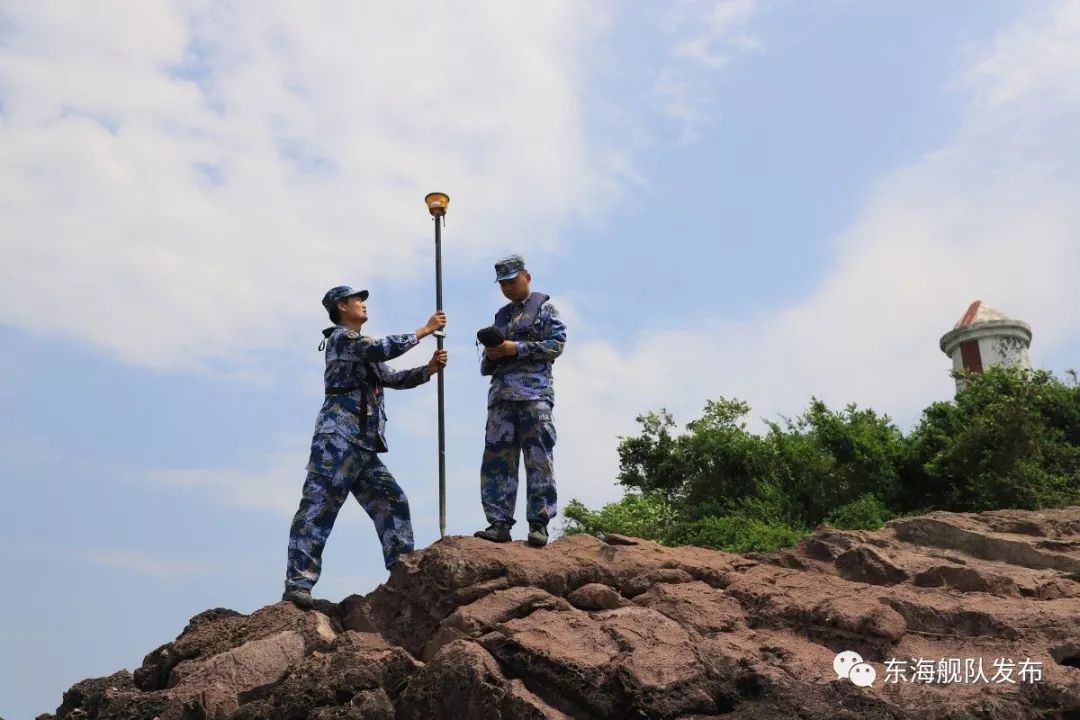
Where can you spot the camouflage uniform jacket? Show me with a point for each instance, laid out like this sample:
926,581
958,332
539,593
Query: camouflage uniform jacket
356,373
526,376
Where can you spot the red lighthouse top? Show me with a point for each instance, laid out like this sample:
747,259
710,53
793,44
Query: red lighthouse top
979,312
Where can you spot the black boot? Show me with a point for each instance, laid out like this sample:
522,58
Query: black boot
538,536
494,533
299,597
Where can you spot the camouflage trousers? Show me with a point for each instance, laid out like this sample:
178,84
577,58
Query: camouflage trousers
516,428
336,469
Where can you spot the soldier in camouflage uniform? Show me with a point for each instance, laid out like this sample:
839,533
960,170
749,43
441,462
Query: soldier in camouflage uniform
520,401
349,432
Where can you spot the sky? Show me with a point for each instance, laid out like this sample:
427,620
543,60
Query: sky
766,200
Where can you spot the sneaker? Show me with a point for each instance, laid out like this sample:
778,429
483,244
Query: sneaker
494,533
538,536
299,597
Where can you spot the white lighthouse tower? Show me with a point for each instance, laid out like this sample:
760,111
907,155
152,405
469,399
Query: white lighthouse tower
985,337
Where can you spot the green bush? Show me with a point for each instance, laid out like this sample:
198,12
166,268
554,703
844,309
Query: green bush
654,517
645,516
736,533
1009,439
801,470
866,513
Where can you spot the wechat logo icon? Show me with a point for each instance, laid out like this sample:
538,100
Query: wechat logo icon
850,665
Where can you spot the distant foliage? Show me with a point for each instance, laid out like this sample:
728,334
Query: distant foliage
866,513
654,517
1010,439
645,516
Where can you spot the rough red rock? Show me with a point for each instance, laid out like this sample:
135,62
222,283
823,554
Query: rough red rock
621,627
595,596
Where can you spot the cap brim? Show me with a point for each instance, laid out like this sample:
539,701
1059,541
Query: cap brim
511,276
363,294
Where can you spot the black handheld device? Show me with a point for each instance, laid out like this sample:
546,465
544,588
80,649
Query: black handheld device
490,336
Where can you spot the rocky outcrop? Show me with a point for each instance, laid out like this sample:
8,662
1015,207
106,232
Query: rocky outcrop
624,628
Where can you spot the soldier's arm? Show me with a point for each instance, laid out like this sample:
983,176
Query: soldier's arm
354,346
554,331
401,379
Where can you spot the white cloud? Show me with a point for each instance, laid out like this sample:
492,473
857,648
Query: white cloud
717,27
275,487
675,97
707,35
991,215
1037,59
143,563
189,173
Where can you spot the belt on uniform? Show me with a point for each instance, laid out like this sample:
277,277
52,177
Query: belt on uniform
346,390
342,390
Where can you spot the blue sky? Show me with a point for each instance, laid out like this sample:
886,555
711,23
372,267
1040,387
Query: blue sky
761,199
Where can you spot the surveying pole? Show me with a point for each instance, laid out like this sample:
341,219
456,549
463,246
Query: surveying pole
436,203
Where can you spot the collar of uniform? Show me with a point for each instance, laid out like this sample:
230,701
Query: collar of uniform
352,334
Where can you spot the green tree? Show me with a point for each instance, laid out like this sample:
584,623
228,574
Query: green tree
836,458
1010,438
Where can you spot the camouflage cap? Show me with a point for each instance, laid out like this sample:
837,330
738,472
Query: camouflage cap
330,299
509,267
